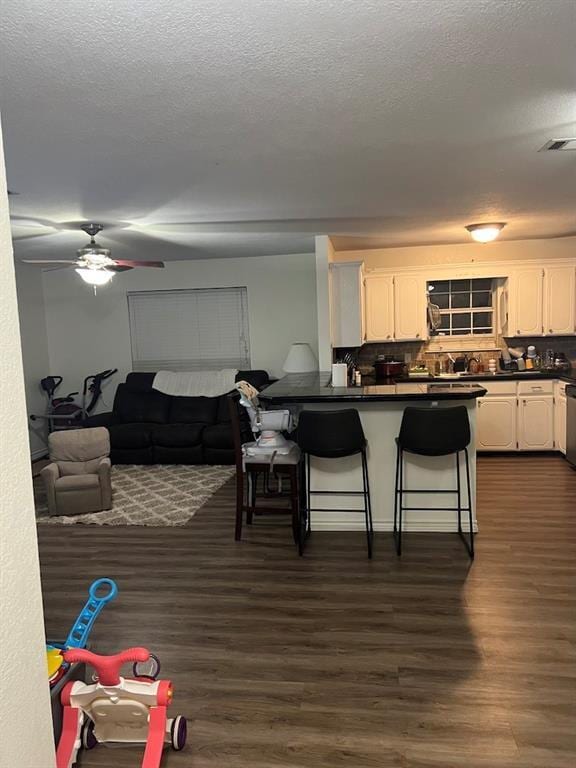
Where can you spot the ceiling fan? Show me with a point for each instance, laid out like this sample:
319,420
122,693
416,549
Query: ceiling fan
94,263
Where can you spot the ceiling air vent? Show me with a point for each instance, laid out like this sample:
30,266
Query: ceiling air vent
559,145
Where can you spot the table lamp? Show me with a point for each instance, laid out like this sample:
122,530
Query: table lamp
300,359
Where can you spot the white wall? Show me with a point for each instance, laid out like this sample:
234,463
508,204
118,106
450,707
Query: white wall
503,250
88,333
324,255
34,349
26,738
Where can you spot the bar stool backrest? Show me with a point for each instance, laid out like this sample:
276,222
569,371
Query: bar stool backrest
434,431
331,434
240,423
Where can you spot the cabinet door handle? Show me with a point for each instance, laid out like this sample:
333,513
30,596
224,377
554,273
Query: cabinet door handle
550,330
417,335
517,333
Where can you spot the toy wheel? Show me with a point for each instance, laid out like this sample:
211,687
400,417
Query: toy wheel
178,733
149,669
89,741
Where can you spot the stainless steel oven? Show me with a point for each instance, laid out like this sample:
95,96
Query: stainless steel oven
571,424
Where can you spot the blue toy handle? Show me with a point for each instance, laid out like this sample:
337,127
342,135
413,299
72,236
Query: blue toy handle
81,628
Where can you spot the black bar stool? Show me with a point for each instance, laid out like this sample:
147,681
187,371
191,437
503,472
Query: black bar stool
251,468
333,435
433,432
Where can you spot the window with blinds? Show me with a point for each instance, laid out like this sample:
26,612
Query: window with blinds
203,329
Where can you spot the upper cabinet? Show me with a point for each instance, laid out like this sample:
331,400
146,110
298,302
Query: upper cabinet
559,301
385,305
543,301
379,305
526,302
395,308
410,322
347,304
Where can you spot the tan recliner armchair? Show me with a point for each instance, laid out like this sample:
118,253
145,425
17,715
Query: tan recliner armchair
78,480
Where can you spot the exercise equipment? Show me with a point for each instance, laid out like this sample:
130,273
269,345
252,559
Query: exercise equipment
65,412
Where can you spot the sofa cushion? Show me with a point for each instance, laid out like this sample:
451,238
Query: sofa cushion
258,379
218,436
177,435
131,435
193,410
132,455
219,456
140,381
138,407
76,482
178,455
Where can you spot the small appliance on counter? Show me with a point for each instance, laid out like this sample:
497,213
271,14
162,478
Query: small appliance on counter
561,362
461,364
386,368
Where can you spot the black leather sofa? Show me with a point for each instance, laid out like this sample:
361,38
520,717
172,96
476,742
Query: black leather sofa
148,427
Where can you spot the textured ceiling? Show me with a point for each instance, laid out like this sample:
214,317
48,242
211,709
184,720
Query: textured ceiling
227,127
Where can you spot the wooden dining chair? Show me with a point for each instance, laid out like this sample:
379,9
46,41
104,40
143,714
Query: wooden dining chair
249,470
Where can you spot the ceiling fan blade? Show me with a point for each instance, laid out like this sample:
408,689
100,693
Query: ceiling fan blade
117,268
131,263
48,261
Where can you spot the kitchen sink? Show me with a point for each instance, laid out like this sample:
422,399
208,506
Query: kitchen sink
453,377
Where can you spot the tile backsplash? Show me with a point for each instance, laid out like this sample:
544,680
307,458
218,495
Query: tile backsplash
413,351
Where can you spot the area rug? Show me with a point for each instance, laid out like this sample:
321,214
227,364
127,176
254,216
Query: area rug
156,495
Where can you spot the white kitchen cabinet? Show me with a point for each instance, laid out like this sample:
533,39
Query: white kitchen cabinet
560,416
526,302
347,304
410,322
496,424
559,301
536,423
379,307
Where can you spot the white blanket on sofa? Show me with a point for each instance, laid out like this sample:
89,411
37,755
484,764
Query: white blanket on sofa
196,383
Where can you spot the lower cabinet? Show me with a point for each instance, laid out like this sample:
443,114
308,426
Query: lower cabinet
522,416
560,417
496,424
536,423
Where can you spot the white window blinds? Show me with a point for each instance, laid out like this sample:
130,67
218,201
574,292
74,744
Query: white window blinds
189,330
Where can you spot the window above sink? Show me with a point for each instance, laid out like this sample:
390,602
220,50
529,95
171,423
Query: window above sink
466,307
470,311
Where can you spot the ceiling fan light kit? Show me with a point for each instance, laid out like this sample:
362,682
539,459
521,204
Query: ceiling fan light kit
95,276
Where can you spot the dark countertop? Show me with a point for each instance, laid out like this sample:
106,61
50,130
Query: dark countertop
568,376
314,388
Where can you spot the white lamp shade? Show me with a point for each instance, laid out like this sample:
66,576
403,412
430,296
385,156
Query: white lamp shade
300,359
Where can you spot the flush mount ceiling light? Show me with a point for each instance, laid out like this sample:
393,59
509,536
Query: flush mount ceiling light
485,233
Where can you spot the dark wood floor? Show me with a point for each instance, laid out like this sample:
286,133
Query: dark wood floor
332,660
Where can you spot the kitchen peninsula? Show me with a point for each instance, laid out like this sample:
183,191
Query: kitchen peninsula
381,407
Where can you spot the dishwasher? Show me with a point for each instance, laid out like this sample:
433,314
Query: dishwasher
571,424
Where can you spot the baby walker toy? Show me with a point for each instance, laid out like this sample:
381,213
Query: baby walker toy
116,710
78,635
